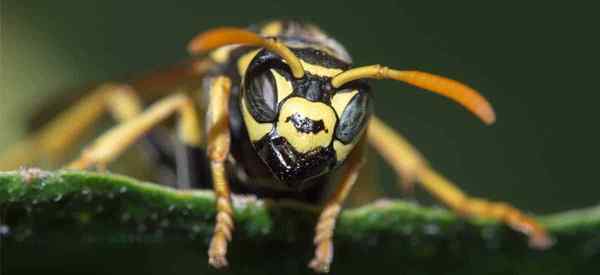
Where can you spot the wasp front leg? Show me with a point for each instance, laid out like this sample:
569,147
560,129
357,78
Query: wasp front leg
327,220
218,144
405,159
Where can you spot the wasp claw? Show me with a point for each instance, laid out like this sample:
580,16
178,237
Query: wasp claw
323,257
218,262
541,242
319,266
217,251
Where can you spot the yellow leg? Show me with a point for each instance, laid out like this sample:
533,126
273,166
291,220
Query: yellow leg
111,144
405,159
326,224
218,149
52,140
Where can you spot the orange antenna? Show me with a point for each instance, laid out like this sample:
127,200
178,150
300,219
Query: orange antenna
226,36
460,93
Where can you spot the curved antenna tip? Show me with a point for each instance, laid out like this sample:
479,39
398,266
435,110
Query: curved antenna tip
486,113
460,93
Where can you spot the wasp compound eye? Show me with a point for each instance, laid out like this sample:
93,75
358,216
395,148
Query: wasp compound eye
354,118
261,97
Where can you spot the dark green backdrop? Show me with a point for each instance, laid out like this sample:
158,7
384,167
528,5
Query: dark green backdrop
537,63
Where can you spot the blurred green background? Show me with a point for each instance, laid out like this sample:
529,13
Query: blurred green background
535,63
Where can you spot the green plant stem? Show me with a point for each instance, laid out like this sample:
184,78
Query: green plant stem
80,212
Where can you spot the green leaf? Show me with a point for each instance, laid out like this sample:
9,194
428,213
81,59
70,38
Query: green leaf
104,223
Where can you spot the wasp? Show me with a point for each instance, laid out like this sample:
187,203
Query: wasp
283,109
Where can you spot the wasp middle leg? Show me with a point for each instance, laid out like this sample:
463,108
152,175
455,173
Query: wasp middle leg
111,144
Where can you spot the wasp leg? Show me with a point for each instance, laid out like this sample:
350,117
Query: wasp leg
405,159
112,143
52,140
218,144
327,219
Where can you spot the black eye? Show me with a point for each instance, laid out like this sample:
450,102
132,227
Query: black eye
261,97
354,118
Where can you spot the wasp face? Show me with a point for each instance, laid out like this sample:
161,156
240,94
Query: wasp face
302,128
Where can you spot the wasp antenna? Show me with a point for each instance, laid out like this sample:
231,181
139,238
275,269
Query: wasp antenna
460,93
226,36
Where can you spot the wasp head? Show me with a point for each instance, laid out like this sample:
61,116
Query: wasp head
302,127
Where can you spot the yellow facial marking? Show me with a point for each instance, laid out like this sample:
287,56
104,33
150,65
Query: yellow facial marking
284,87
272,29
342,150
221,54
340,100
316,111
256,130
244,61
320,70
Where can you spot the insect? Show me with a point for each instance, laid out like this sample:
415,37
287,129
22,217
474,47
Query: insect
284,109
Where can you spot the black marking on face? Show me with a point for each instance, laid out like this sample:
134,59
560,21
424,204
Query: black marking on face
354,118
306,125
290,166
313,91
314,88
